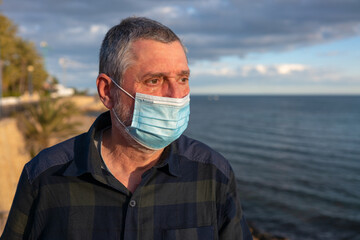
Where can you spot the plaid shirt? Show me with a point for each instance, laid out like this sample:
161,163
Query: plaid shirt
66,193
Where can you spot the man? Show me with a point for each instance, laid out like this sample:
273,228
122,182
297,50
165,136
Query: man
133,175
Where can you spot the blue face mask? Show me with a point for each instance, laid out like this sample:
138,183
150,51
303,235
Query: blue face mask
157,121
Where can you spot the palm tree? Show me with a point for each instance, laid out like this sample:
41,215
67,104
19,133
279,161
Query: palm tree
49,118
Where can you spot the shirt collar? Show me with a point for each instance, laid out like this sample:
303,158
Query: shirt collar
169,161
87,158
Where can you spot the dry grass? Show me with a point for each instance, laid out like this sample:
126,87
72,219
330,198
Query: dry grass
88,103
13,153
13,156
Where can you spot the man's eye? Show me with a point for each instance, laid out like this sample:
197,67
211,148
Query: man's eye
153,81
184,79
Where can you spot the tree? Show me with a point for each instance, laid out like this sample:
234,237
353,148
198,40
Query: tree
18,55
48,118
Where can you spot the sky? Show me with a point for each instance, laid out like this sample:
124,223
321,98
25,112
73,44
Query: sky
234,46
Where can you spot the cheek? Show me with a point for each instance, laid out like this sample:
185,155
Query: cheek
129,105
185,89
125,113
152,91
156,91
124,105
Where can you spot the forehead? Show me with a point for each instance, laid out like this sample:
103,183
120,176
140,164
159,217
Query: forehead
145,50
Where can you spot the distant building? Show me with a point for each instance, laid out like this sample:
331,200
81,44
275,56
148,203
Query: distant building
62,91
57,90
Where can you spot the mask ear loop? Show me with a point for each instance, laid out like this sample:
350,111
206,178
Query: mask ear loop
117,118
122,88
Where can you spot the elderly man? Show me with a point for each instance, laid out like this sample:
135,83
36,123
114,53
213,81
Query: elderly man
133,175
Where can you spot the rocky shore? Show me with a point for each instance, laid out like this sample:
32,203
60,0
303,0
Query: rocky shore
258,235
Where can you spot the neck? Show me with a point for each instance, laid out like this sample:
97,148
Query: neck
126,159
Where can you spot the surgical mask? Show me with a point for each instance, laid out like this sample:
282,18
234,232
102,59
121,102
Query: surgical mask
157,121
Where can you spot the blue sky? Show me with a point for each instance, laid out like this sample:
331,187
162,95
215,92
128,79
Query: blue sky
235,47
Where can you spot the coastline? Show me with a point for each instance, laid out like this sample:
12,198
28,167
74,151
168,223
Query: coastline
13,156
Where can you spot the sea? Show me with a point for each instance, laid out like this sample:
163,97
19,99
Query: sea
296,160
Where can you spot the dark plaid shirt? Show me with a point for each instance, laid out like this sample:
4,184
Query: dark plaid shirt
66,193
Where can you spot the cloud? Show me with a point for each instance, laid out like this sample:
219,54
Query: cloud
220,74
285,69
99,29
224,69
68,63
163,12
211,29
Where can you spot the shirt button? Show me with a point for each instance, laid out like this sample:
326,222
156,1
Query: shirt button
132,203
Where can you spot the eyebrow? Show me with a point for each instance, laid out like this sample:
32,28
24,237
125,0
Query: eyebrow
163,74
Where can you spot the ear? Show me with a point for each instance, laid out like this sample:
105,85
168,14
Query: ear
103,83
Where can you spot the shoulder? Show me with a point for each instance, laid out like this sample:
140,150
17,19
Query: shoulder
57,155
199,152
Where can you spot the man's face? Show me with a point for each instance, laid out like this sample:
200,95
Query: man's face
159,69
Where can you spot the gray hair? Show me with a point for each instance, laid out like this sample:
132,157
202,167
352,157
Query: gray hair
115,53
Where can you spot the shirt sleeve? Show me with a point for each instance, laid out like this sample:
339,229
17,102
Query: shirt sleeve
234,224
17,223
